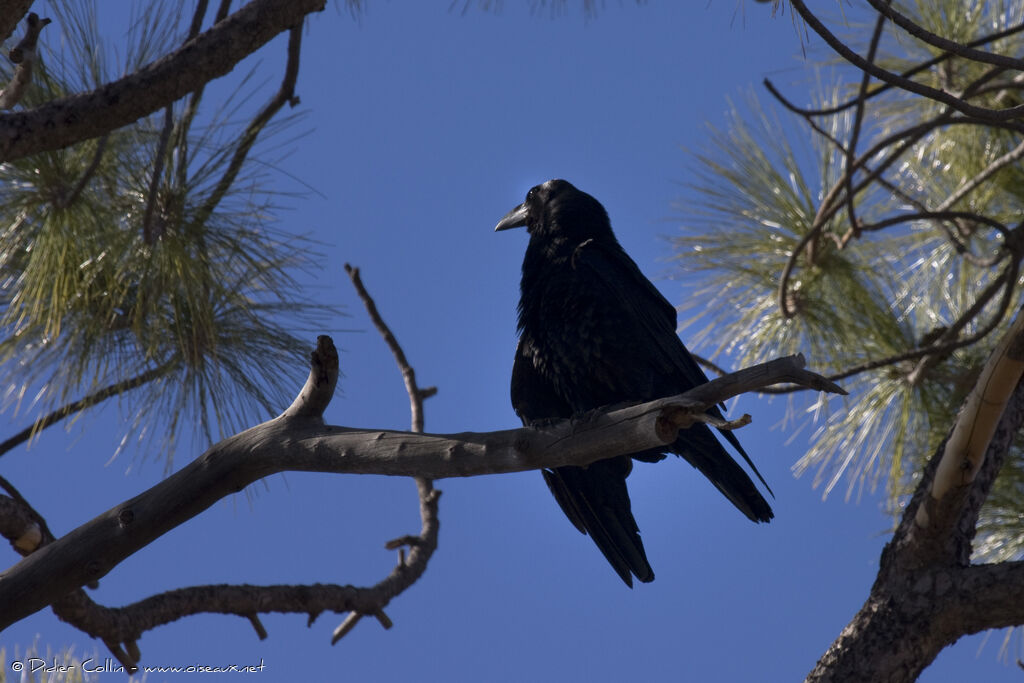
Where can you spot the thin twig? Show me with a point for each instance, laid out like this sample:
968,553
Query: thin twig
885,87
285,95
1007,281
1005,160
90,171
858,122
936,349
958,103
81,404
421,547
960,50
831,203
416,395
185,124
159,158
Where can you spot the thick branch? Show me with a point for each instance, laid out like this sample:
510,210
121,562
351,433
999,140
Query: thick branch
210,55
927,595
318,390
965,448
989,597
11,12
306,444
18,526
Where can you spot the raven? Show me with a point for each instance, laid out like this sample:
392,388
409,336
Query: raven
595,332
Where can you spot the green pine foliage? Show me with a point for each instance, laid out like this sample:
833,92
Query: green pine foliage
191,288
858,301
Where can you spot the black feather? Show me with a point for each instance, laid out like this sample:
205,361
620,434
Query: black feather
595,332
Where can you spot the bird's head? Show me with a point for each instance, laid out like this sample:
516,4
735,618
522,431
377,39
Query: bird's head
556,209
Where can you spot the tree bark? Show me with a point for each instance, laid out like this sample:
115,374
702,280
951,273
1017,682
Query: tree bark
208,56
298,440
927,595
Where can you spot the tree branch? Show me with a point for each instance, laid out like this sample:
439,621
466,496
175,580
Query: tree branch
24,55
11,12
125,625
985,598
284,95
416,394
290,443
210,55
421,548
976,423
927,595
958,103
81,404
884,87
889,12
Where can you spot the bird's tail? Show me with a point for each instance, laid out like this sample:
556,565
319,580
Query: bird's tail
701,449
596,501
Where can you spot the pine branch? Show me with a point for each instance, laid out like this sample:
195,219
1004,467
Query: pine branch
957,103
211,54
95,398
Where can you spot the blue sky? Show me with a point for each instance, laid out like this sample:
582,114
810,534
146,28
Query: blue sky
426,125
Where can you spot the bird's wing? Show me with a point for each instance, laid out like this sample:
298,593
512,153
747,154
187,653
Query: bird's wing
667,367
594,498
533,396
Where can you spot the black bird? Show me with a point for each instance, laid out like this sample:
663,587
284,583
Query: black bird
595,332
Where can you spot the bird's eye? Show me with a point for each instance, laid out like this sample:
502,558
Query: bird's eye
531,194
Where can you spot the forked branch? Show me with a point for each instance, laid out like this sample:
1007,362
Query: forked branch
304,443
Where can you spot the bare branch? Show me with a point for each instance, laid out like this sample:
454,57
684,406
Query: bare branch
422,547
318,391
889,12
285,95
957,103
24,55
1005,160
122,626
306,444
81,404
884,87
976,423
211,54
416,394
11,12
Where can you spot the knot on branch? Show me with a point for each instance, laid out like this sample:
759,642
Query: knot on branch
27,45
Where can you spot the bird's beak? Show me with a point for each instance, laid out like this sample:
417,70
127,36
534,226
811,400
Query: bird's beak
516,218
